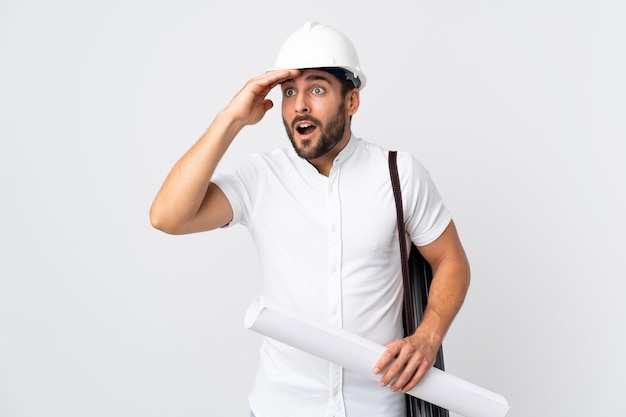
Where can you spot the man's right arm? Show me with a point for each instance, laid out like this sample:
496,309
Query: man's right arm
188,202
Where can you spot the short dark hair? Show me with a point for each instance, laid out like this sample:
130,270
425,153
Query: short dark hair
346,87
348,81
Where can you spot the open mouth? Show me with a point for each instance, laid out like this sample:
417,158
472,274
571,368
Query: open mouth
305,128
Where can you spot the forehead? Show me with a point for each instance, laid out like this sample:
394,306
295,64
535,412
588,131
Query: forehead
313,76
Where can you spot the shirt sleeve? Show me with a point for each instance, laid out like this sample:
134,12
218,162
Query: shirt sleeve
425,214
238,183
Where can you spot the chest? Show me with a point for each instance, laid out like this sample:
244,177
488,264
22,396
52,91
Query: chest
353,208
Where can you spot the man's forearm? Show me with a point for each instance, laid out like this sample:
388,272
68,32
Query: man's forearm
445,298
184,190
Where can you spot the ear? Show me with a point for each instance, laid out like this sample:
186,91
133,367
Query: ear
353,100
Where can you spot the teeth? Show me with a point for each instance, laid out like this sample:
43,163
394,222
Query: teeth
305,125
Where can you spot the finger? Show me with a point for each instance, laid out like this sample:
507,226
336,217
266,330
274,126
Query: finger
402,374
396,368
272,78
407,374
417,377
285,75
386,358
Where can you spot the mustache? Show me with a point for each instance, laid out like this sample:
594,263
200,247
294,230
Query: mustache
299,119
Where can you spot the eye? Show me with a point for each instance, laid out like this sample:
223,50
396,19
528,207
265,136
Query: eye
318,90
290,92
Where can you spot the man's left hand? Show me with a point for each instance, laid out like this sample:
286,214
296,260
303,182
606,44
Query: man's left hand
408,360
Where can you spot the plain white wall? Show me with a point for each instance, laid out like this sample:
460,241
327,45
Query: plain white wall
518,110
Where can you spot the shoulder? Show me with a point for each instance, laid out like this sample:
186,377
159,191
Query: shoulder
275,156
408,164
375,155
370,153
261,161
404,157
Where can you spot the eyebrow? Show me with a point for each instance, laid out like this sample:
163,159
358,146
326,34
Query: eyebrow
317,77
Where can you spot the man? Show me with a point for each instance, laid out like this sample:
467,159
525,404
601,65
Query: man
323,218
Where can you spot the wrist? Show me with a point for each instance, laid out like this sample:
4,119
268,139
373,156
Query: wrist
230,120
430,330
226,125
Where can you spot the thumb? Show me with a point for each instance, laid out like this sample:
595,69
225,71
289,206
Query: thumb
268,104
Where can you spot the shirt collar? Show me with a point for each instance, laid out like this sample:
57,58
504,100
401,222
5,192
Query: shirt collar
347,151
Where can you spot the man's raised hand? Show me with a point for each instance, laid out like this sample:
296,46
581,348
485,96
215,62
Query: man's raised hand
251,103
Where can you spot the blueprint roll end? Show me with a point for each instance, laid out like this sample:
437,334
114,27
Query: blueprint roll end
254,310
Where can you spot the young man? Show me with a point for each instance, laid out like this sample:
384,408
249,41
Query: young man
323,218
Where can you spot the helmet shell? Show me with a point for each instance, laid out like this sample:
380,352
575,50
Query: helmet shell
316,45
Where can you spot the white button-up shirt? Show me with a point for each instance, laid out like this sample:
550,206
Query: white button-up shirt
328,250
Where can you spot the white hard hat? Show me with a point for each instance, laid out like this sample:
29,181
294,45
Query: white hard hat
315,45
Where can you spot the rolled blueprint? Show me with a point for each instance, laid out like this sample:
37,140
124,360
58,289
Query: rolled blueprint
358,354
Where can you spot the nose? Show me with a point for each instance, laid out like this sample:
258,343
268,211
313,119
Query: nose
302,106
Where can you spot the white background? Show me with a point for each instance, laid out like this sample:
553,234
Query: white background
517,109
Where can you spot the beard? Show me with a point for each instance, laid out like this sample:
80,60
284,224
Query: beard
330,134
